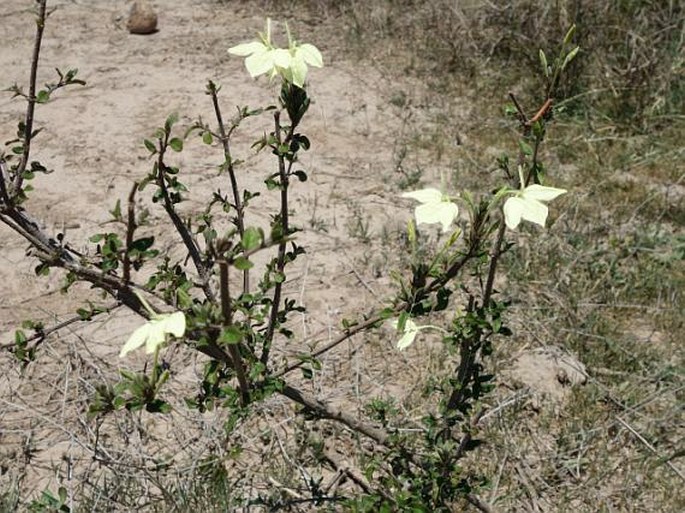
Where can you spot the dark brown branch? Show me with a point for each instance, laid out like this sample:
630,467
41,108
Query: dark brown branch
495,253
228,159
480,503
349,332
521,113
43,333
31,98
227,321
280,260
181,228
130,230
323,410
4,195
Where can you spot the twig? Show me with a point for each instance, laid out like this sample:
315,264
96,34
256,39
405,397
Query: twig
356,478
363,282
280,259
495,253
28,123
651,447
130,230
349,332
480,503
4,196
541,112
329,412
228,159
180,226
232,348
43,333
521,113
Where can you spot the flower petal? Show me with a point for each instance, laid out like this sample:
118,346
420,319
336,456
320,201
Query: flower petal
535,211
137,339
408,335
310,54
156,336
428,195
245,49
176,324
443,212
513,211
542,193
259,63
406,340
298,71
281,57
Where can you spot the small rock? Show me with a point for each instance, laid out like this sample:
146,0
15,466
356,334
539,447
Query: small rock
142,18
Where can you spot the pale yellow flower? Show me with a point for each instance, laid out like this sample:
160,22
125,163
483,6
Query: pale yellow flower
435,207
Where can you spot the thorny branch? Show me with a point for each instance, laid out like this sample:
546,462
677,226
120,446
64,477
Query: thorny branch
202,268
285,227
228,161
28,123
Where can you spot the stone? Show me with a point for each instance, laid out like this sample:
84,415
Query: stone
142,19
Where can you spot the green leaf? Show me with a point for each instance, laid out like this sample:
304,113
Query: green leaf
176,144
387,313
150,146
42,269
301,175
526,149
543,62
252,238
270,183
569,34
42,96
37,167
510,110
242,263
19,337
207,138
570,56
170,121
143,243
231,335
116,212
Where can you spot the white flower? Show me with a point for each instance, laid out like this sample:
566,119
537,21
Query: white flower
300,56
410,331
436,207
527,203
408,335
263,57
154,332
